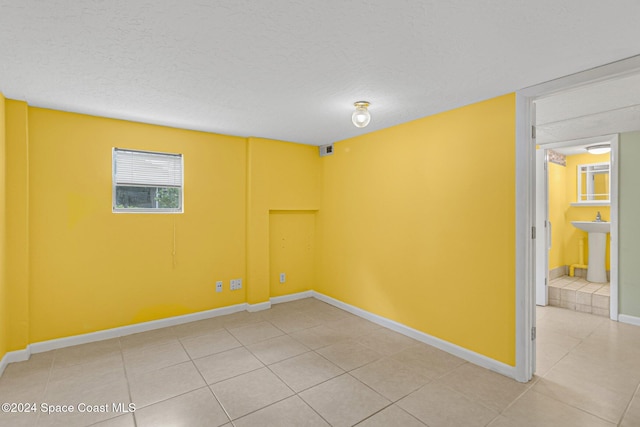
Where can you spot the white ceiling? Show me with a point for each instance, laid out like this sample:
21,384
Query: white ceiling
596,109
291,70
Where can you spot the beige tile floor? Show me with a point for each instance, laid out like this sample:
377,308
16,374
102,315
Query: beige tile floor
306,363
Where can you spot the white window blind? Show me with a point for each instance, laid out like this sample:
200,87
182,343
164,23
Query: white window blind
147,182
143,168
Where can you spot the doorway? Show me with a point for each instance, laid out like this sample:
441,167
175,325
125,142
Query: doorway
609,115
575,186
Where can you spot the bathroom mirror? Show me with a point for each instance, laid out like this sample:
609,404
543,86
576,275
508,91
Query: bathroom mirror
593,183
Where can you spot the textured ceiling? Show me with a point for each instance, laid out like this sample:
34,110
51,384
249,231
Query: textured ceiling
291,70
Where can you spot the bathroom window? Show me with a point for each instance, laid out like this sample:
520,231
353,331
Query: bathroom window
147,182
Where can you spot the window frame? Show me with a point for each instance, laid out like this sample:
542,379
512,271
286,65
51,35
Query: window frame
114,185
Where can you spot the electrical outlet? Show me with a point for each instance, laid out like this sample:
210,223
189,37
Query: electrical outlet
233,284
219,286
236,284
283,277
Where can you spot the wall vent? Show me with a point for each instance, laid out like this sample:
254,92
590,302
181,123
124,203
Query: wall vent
326,150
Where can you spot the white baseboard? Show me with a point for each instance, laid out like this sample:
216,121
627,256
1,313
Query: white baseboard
40,347
291,297
14,356
463,353
252,308
106,334
632,320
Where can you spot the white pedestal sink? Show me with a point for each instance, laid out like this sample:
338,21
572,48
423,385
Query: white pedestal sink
597,230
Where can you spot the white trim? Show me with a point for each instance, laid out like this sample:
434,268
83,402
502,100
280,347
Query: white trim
14,356
524,244
40,347
543,229
614,265
618,69
463,353
631,320
252,308
106,334
291,297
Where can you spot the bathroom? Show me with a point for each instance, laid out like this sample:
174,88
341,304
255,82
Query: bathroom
578,190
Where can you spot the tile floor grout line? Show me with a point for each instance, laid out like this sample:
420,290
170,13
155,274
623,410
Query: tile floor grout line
376,413
295,393
281,360
215,396
596,331
259,341
191,360
126,376
264,407
470,398
527,390
626,409
558,361
596,415
312,386
211,389
391,402
312,408
235,376
46,386
444,374
352,369
473,397
495,418
575,407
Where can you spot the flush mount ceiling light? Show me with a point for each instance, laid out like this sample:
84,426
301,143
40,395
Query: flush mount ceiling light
361,116
599,149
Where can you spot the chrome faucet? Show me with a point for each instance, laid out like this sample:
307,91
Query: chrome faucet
598,217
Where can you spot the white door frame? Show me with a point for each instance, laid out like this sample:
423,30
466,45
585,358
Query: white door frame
543,228
525,203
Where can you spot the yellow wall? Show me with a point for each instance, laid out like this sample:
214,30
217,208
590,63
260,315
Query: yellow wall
91,269
3,282
282,177
75,267
17,223
566,237
417,224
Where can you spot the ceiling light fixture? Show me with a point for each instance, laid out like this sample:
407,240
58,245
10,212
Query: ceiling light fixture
599,149
361,116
